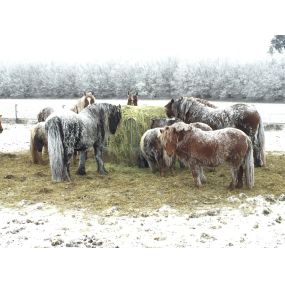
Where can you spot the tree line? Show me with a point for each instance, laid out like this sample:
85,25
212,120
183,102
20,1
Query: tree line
216,80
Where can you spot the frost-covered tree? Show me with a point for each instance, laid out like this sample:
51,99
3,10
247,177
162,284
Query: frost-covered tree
277,44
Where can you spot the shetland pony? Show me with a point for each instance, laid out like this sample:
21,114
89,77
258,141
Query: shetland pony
38,142
44,113
68,131
87,99
152,150
198,148
132,99
240,116
1,128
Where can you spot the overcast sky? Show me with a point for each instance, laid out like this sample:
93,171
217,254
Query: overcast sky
91,31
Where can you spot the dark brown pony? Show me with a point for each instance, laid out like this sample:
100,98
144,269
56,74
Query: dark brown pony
87,99
241,116
198,148
1,128
132,99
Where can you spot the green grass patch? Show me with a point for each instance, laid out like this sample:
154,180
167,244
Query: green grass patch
130,189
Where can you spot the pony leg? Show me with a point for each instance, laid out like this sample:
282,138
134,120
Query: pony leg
239,177
98,151
196,175
81,167
202,175
234,182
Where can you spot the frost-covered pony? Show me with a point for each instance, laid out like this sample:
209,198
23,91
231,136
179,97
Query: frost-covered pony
152,150
198,148
132,99
68,131
44,113
241,116
1,128
38,142
87,99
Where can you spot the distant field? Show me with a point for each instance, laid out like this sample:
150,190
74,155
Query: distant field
29,108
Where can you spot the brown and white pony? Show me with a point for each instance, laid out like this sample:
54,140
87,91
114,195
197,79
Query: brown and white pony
1,128
132,99
241,116
198,148
152,150
87,99
38,142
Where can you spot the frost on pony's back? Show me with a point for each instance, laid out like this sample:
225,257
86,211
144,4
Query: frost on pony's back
68,131
241,116
198,148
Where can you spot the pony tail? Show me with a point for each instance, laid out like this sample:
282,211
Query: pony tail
260,141
249,165
56,150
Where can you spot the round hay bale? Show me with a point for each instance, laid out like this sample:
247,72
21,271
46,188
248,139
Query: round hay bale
124,146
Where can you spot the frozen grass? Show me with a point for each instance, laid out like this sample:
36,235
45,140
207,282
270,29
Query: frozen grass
130,189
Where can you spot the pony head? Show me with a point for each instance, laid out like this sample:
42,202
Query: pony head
44,113
169,138
172,107
114,118
132,99
89,98
1,128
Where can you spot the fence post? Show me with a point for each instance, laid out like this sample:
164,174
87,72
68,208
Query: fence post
16,113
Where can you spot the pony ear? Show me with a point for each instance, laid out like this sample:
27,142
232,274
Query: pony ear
161,131
172,100
119,106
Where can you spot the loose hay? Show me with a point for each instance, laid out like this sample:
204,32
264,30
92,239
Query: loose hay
130,189
124,146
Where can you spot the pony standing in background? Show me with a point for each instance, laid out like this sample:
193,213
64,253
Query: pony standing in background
68,131
241,116
132,99
44,113
1,128
38,142
197,148
87,99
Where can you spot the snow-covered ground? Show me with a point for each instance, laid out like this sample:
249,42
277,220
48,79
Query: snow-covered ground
253,222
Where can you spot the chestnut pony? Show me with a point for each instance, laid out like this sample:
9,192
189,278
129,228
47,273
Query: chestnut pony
197,148
241,116
152,150
87,99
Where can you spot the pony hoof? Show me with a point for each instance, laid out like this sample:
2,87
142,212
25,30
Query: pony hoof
81,172
103,172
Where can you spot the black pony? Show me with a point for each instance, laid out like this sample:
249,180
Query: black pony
68,131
